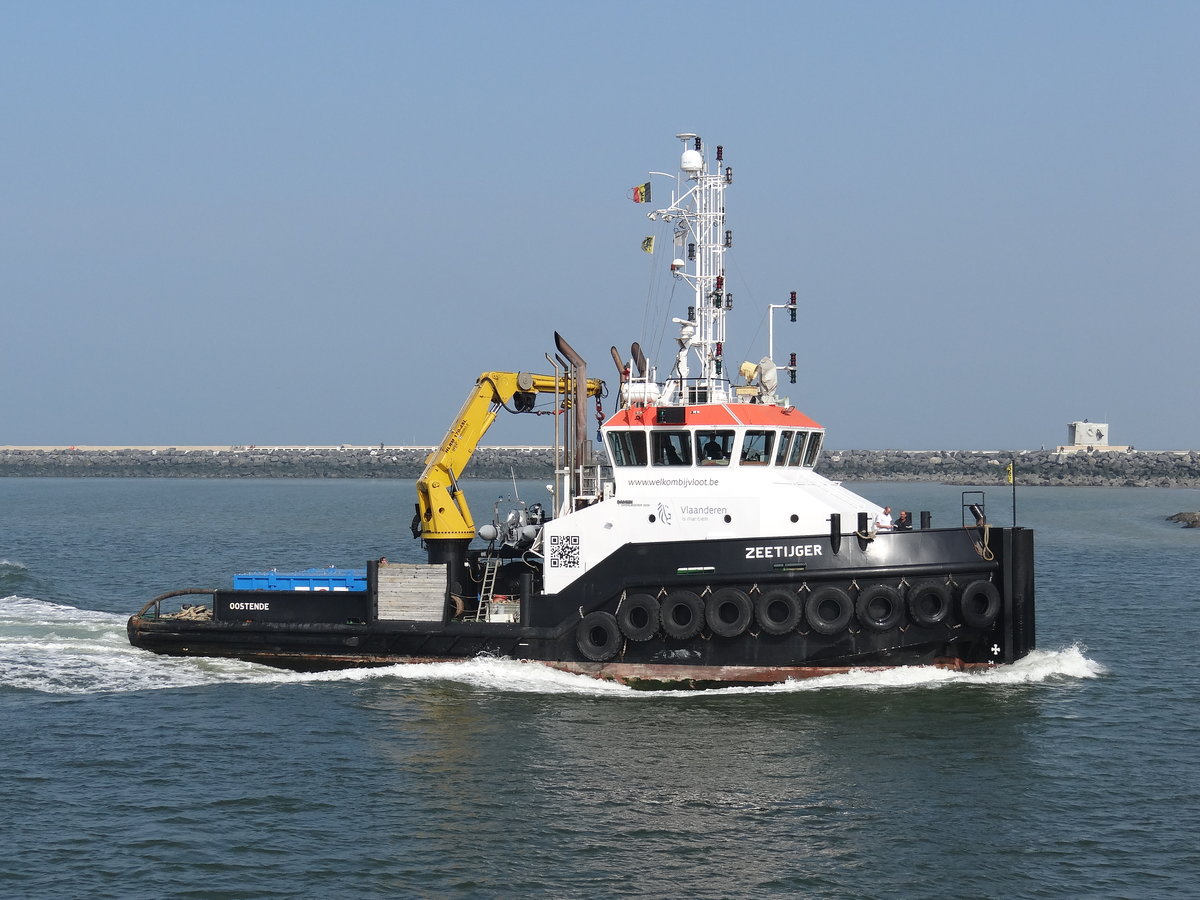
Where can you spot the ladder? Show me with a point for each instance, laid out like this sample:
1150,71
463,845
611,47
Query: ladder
488,588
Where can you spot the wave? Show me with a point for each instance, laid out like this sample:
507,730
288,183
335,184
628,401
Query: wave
17,579
12,573
52,648
57,649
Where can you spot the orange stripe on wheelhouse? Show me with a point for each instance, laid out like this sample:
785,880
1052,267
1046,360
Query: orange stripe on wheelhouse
714,414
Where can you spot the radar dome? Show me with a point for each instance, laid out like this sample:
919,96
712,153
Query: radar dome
691,161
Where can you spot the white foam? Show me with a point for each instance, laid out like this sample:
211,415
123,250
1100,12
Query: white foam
57,649
1044,665
25,611
1038,666
485,672
507,675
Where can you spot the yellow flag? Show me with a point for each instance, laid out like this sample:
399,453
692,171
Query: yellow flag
1009,469
648,244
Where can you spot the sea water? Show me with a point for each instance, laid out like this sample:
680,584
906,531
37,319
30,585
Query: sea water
1072,773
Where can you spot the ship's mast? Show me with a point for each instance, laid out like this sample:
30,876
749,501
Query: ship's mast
698,212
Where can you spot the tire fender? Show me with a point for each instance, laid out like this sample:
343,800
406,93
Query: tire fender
598,637
828,610
880,607
778,611
979,604
638,617
682,615
929,603
729,612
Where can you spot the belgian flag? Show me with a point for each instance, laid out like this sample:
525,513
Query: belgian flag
641,193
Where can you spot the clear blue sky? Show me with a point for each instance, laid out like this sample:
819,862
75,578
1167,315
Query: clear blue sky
317,222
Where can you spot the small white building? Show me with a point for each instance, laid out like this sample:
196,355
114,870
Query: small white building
1088,437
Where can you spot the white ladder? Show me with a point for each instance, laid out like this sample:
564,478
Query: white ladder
488,588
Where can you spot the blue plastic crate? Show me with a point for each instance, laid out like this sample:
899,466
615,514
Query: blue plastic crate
329,579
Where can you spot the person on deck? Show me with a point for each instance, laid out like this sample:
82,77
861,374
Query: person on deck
883,521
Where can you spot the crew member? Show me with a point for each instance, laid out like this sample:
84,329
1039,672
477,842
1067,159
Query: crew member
883,521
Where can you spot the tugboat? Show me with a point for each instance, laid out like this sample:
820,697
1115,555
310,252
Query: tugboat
696,547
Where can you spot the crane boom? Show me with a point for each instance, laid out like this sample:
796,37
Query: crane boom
442,512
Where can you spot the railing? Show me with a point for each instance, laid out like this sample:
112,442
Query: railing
156,603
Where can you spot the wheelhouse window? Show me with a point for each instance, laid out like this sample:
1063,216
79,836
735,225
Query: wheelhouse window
671,448
756,448
628,448
796,457
713,448
814,450
785,441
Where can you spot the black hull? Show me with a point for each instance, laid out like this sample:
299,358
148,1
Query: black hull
578,630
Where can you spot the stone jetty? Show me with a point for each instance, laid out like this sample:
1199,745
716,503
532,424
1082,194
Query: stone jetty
969,467
1133,468
261,462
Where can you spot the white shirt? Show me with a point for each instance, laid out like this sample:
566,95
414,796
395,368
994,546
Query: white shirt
883,521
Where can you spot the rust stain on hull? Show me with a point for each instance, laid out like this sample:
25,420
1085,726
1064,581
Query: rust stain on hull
648,676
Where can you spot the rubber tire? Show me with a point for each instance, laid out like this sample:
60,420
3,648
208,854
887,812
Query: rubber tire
638,617
682,615
821,623
870,598
728,600
598,637
922,611
975,614
766,603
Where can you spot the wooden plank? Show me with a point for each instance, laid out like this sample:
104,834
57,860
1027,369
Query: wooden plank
412,592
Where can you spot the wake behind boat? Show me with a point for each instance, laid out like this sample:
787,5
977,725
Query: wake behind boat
697,546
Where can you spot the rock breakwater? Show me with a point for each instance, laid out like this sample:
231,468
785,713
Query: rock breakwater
262,462
1038,467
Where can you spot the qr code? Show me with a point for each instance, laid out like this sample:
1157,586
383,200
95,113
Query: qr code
564,551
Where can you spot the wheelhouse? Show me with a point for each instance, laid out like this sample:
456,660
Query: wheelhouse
730,443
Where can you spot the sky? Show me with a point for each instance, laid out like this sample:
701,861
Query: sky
258,222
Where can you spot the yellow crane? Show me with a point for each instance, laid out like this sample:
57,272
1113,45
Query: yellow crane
442,513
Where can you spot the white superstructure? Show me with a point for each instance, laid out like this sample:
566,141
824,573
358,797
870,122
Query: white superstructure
696,456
